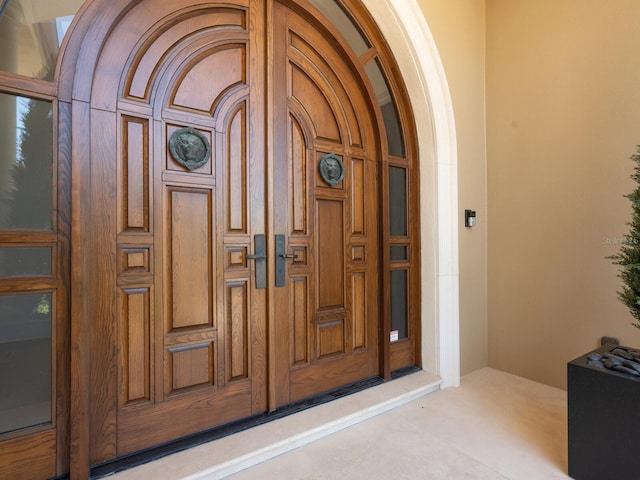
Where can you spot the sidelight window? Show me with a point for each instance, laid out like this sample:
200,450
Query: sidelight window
27,251
25,360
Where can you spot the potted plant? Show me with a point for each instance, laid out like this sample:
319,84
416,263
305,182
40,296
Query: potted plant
603,387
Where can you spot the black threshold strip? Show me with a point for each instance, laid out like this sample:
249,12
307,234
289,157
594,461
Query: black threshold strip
190,441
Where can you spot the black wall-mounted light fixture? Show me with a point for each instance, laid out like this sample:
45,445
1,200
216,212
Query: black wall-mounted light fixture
469,218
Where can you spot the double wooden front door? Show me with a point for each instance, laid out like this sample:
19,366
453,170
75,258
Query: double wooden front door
234,256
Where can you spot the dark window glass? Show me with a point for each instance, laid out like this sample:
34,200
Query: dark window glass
388,108
26,163
25,360
399,298
25,261
398,253
397,201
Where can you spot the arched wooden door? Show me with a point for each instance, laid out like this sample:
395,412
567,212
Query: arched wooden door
326,312
233,230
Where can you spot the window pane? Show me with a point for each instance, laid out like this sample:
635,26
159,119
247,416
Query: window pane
25,360
344,24
25,261
399,297
390,117
26,163
398,253
397,201
31,32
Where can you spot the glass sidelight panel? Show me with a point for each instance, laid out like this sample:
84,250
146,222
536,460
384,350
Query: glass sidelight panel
26,163
25,360
398,201
398,253
399,298
25,261
31,34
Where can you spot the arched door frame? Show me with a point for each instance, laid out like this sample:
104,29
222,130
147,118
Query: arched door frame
407,33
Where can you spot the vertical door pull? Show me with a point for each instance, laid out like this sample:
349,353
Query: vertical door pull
281,263
281,260
260,257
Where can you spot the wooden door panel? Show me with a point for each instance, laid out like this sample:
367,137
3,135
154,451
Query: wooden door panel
189,246
307,92
308,57
237,328
359,316
333,372
189,324
358,197
300,296
148,54
224,68
329,307
135,354
298,190
135,208
235,172
330,336
181,415
189,366
330,228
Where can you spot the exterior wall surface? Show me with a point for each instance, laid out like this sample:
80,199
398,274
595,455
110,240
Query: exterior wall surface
562,120
458,27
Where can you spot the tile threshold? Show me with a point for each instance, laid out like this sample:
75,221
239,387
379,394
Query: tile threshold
234,453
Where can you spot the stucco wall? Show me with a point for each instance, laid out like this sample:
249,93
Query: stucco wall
458,28
563,116
562,95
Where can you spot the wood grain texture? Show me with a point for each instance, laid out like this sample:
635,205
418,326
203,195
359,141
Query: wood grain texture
29,456
273,89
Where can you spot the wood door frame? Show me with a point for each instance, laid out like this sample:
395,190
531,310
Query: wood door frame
74,90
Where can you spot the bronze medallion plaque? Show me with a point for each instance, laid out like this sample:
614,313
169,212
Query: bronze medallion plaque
189,148
331,169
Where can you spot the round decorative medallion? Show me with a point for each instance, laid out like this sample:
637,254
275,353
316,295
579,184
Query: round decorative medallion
189,148
331,169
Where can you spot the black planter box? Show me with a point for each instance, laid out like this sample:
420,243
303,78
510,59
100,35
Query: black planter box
604,421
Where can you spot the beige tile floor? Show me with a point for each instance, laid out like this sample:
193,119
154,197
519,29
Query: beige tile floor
494,426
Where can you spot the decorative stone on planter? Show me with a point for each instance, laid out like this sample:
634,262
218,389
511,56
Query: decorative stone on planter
603,415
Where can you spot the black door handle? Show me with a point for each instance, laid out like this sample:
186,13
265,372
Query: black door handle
281,261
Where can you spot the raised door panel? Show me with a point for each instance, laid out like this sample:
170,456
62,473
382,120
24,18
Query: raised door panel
134,211
189,295
135,315
224,68
190,237
331,260
237,329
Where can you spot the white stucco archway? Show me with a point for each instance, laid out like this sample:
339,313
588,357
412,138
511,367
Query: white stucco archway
403,24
